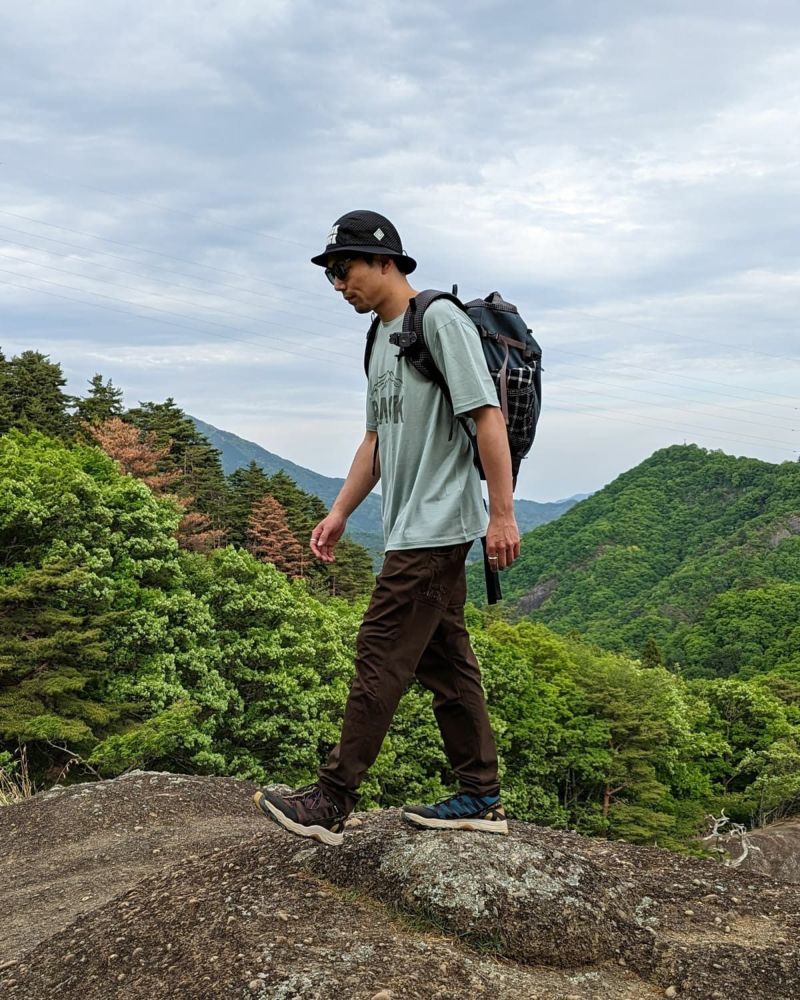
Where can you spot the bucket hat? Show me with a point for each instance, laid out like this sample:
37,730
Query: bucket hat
365,232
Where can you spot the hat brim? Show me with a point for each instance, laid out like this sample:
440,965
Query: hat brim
404,263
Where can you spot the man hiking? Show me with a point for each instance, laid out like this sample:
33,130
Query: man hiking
432,512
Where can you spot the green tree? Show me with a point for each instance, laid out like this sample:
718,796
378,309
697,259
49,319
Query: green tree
53,648
287,658
6,409
37,401
103,402
747,720
351,575
94,608
651,655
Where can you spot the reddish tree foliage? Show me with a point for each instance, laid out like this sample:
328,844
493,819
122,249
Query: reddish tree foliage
270,540
195,532
138,455
136,451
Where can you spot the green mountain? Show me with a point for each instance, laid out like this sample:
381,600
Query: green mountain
365,525
692,556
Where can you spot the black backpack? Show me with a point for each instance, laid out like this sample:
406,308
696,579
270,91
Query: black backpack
514,360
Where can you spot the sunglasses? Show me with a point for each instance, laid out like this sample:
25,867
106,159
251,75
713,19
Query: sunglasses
338,270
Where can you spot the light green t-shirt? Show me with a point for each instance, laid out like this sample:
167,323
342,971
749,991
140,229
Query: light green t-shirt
431,490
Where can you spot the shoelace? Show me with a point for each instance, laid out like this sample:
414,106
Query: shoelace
310,795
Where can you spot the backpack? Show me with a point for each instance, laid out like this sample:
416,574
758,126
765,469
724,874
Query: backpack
514,360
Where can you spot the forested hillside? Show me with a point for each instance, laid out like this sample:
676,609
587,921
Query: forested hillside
157,443
365,524
691,558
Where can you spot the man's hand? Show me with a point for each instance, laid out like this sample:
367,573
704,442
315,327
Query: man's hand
502,542
325,536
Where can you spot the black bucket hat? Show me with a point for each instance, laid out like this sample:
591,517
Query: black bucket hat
365,232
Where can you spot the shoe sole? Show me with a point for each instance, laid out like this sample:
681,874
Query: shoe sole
481,825
314,832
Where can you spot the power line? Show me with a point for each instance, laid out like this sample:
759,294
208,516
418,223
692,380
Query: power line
691,378
676,399
170,298
672,333
156,319
103,253
128,312
742,437
269,340
149,275
305,292
604,415
158,253
173,211
752,438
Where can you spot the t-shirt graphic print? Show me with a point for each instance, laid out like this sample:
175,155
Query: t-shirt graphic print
386,398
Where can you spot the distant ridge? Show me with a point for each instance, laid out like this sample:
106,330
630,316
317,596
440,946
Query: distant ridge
693,550
365,524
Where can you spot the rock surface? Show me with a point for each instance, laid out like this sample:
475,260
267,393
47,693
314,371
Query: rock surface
773,850
158,885
534,904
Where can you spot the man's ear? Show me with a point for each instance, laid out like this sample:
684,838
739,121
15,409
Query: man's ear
386,264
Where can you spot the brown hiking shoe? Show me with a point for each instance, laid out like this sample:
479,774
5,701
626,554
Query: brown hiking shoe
307,812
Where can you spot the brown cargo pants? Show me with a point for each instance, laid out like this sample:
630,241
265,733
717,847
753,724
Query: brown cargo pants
414,627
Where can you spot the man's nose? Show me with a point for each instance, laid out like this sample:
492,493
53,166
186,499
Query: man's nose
338,284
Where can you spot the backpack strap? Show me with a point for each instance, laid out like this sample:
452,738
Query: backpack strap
491,576
411,339
373,329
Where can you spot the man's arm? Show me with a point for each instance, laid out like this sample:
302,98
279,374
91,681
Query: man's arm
359,483
502,537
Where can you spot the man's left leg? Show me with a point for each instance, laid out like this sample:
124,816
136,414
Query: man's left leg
449,669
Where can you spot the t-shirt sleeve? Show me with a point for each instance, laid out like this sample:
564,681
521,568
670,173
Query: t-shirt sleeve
455,345
371,425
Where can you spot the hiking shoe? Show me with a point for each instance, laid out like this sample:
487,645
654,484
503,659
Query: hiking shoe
461,812
308,812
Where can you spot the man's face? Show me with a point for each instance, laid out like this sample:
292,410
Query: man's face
358,281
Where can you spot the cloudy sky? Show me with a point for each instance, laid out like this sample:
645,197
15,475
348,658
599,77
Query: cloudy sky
627,173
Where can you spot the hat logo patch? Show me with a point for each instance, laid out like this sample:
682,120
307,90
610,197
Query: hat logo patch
333,234
379,234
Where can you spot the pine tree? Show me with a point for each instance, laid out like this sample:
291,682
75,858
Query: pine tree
651,655
139,456
103,402
351,575
36,398
196,534
192,454
6,411
52,649
270,540
245,487
303,510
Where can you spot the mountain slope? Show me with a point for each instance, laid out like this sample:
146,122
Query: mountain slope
686,542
